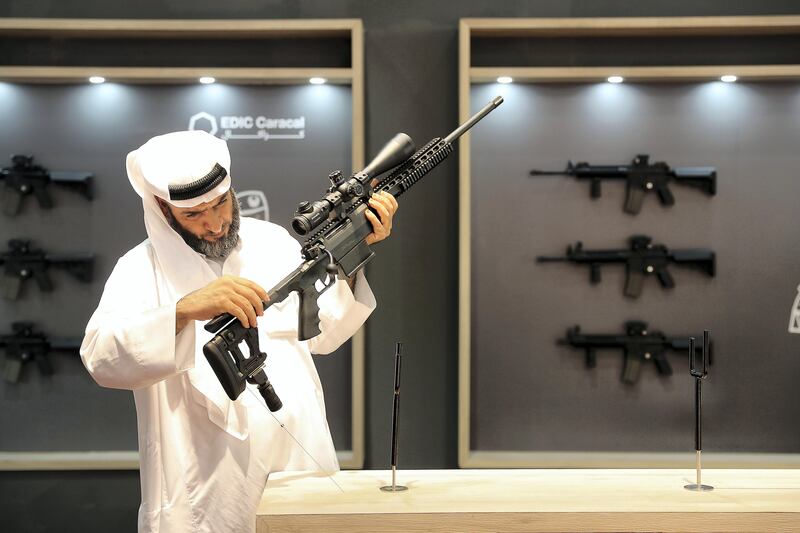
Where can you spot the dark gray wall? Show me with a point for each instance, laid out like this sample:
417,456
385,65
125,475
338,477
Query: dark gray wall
92,128
411,69
530,394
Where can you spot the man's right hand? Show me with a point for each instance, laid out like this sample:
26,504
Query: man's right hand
240,297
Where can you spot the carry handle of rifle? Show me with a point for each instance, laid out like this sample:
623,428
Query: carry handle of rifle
665,278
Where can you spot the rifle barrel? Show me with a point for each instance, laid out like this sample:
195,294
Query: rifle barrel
458,132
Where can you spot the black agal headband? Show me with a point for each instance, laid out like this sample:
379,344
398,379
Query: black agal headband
198,187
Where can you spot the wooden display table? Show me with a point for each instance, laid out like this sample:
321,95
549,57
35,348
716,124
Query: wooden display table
532,500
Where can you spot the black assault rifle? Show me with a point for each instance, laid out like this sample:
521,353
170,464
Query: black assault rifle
640,177
641,259
24,345
336,227
21,262
23,178
638,344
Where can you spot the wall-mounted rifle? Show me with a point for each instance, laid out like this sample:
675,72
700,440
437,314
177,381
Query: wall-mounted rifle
21,262
641,177
642,258
24,178
25,345
638,343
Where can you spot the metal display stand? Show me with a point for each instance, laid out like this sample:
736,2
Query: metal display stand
394,487
699,373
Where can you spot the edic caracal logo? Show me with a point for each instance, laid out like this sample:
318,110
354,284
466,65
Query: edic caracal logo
249,127
253,204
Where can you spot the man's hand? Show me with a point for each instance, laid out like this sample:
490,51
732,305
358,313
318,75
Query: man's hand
229,294
386,206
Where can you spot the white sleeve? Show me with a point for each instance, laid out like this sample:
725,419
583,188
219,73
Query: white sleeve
130,341
341,313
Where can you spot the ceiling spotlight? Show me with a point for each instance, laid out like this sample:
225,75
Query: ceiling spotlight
97,79
206,80
728,78
505,79
615,79
316,80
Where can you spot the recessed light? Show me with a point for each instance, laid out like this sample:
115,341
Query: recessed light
97,79
615,79
316,80
206,80
728,78
505,79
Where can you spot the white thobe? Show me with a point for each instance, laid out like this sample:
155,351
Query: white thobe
204,460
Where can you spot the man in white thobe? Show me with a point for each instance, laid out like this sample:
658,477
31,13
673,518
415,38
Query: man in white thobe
204,459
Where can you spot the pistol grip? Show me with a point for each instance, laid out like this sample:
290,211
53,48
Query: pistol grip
664,194
591,358
45,202
665,278
595,190
44,365
308,321
42,280
662,365
594,273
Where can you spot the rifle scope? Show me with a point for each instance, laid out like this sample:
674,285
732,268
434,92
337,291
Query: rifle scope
310,215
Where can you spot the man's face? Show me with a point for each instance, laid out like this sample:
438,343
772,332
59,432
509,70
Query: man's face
210,228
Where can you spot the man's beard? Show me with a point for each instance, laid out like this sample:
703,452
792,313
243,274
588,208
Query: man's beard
218,249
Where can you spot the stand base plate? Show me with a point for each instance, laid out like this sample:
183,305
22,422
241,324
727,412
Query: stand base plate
394,488
703,488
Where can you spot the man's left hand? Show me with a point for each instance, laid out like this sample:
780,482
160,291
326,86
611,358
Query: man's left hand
385,205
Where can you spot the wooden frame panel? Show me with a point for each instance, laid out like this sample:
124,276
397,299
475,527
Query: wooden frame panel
191,29
591,27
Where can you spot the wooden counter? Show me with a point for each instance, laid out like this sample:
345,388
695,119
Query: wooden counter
532,500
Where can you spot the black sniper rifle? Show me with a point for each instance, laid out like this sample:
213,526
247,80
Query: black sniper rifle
21,262
639,345
339,229
23,178
640,177
642,258
24,345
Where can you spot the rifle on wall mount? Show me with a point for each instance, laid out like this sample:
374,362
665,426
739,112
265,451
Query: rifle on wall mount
24,178
336,229
641,177
642,258
21,262
25,345
639,344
